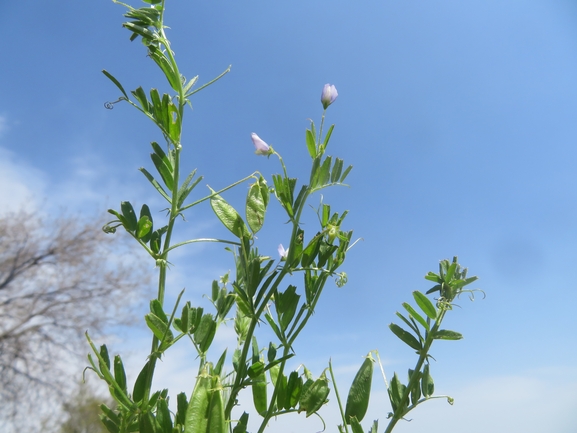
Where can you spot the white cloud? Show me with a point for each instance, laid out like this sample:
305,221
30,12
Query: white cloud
21,185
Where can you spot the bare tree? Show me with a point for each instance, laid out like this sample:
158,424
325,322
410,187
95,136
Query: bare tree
58,278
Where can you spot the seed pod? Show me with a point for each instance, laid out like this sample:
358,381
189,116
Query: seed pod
315,396
259,394
196,420
294,389
216,421
360,392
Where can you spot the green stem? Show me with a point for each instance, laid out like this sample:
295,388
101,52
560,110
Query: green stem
321,128
163,263
208,197
241,374
338,396
399,414
269,413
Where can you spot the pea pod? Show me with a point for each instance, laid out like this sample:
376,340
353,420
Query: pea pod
259,394
315,395
216,421
359,394
294,389
196,420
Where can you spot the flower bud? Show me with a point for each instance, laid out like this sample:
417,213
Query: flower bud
261,147
329,95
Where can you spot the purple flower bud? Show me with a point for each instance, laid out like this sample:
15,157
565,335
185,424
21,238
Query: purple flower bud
282,252
329,95
261,147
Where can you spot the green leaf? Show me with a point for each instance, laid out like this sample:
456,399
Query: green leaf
116,82
286,304
416,315
274,326
174,123
144,228
104,357
164,171
322,175
450,272
157,108
229,216
337,170
328,136
425,304
140,384
411,324
129,215
405,336
159,328
461,283
311,251
156,308
186,187
141,98
445,334
345,174
311,145
119,374
431,276
255,370
189,85
220,363
181,405
205,332
159,57
155,184
396,391
163,416
145,224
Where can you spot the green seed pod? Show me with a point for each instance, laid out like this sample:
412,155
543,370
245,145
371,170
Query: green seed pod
360,392
216,421
259,394
196,420
315,396
294,389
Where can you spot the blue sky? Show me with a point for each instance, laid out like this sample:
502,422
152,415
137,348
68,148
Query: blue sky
459,120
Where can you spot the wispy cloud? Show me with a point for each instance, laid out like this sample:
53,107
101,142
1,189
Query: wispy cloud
21,185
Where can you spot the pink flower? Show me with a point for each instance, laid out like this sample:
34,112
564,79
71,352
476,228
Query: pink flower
261,147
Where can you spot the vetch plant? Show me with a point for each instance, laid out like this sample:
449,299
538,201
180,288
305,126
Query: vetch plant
281,293
424,327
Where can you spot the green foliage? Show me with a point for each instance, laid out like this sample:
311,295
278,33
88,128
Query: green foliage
256,293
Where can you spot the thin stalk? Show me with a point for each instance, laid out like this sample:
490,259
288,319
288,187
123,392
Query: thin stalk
269,413
238,182
321,128
173,212
338,396
236,387
415,377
